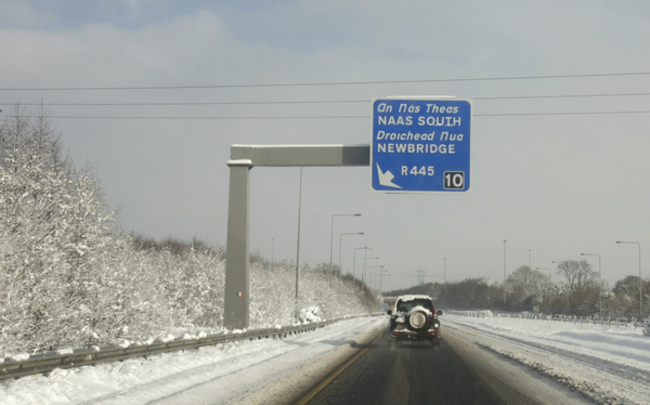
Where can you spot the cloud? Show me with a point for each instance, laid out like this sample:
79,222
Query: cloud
552,183
22,14
102,54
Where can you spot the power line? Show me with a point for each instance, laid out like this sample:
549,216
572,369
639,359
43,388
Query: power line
208,103
314,84
204,117
326,116
195,103
561,96
562,113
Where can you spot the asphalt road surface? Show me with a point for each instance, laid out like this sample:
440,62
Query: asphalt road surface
411,373
458,371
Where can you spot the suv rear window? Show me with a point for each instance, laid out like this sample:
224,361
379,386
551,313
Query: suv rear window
405,306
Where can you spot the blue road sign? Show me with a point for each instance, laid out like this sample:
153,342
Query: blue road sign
421,144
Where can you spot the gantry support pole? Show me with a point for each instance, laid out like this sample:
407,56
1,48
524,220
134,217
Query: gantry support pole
242,159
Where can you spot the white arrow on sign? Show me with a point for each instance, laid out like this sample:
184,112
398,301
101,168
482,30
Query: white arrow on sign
385,178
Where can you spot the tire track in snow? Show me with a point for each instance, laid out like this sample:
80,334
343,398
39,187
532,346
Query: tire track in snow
622,370
602,381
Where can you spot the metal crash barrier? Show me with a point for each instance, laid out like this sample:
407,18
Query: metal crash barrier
47,362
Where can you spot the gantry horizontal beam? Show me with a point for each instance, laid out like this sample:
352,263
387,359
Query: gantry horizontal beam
302,155
242,159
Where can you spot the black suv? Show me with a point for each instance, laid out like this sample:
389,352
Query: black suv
414,318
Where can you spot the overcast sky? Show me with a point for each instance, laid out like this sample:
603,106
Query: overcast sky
554,176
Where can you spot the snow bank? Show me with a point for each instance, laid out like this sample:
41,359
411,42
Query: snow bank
309,315
231,371
609,365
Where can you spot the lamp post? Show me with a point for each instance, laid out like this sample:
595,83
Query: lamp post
600,291
381,280
548,286
444,274
421,275
379,273
567,292
332,237
375,267
340,237
505,289
363,276
530,264
640,281
354,259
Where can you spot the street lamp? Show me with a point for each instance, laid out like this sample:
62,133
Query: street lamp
640,289
354,259
421,276
340,237
381,280
378,274
332,237
567,292
504,277
548,287
530,267
600,291
375,267
444,274
363,276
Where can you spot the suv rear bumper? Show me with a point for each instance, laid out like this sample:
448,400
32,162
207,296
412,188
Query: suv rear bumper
406,334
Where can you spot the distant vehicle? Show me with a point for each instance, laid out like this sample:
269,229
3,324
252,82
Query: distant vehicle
414,318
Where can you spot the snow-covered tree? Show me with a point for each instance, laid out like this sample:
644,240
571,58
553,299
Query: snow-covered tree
71,278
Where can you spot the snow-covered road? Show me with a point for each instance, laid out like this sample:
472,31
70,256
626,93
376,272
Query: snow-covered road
606,365
247,372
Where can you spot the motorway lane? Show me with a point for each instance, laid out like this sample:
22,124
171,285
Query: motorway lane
411,373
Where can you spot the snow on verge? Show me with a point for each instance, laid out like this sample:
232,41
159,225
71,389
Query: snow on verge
608,366
225,373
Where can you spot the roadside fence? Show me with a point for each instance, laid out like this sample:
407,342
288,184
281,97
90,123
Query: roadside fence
590,320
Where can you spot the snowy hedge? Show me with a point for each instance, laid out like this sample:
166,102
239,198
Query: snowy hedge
71,279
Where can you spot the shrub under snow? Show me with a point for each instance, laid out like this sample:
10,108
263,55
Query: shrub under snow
309,315
71,279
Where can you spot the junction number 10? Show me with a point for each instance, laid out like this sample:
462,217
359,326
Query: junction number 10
454,180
